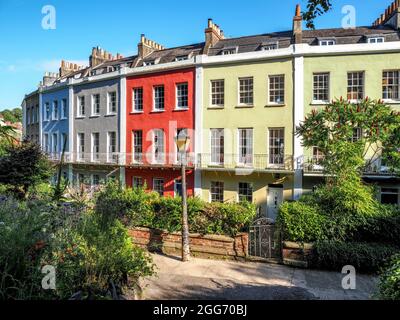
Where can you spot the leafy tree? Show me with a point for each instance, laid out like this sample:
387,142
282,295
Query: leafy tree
13,116
24,165
315,8
348,133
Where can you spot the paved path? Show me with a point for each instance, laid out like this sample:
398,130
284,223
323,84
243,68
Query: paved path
229,280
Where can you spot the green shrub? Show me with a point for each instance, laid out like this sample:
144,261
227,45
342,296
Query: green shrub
389,280
87,252
301,222
93,258
138,208
365,257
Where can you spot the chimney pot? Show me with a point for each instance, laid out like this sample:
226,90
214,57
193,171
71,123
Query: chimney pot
298,10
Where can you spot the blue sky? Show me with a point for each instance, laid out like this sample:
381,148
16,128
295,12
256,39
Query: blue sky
27,50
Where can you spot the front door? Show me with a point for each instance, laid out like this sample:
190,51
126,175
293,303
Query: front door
275,199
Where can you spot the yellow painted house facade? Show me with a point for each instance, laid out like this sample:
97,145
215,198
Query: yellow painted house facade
253,91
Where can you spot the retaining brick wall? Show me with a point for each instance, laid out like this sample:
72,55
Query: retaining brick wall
296,254
203,246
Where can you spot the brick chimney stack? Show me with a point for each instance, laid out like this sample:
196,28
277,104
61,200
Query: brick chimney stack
68,67
391,17
99,56
147,46
297,26
213,34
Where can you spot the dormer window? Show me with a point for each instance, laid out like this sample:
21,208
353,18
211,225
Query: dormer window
228,51
182,58
111,69
269,46
376,40
327,42
149,63
77,76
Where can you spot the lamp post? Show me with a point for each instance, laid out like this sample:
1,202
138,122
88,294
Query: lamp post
182,142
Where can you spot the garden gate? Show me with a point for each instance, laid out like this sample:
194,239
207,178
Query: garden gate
264,239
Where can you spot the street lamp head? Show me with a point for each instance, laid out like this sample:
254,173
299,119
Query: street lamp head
182,141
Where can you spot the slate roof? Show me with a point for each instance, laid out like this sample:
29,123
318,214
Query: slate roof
170,54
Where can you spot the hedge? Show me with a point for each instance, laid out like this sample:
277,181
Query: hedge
389,280
365,257
138,208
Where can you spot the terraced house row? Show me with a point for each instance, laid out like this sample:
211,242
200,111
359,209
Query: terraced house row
239,100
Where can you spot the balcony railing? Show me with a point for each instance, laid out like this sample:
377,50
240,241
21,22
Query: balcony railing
159,160
258,162
115,158
313,165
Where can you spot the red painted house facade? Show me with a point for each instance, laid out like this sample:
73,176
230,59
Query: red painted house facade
159,106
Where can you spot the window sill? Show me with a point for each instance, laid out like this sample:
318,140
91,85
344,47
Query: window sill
216,107
181,109
319,103
94,116
244,106
157,111
110,115
80,117
272,105
64,118
136,112
388,101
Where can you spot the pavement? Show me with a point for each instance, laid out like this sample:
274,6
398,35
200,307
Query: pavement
230,280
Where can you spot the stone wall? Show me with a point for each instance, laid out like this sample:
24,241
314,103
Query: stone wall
296,254
202,246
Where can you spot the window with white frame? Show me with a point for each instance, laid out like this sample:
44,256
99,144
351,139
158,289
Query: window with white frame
158,186
390,196
137,101
355,85
46,142
182,58
276,146
217,146
64,109
245,146
277,89
269,46
95,105
318,155
390,85
217,191
178,188
327,42
28,117
55,143
47,111
158,97
112,146
112,102
95,180
217,93
357,135
228,51
182,96
246,91
80,146
95,146
55,110
321,87
245,192
81,106
137,182
64,141
158,146
376,40
137,146
149,63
